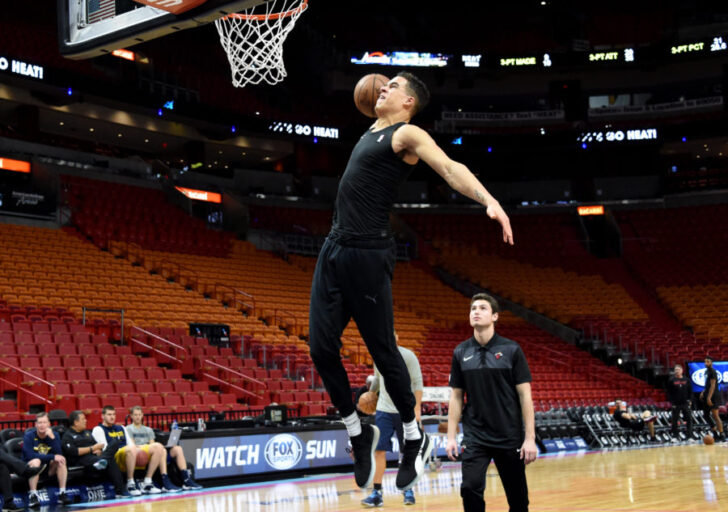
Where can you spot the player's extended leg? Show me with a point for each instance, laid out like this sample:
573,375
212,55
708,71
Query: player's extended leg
367,288
327,318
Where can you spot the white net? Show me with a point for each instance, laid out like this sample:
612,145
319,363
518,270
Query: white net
253,40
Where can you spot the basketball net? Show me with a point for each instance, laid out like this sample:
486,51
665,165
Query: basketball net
254,40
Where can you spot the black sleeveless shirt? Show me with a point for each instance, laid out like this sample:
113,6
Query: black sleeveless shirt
369,187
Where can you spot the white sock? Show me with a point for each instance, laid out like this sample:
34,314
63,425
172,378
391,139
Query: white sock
62,490
353,424
147,481
130,482
411,431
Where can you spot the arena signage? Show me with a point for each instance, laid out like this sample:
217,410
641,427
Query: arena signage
201,195
305,130
22,68
517,61
697,374
219,457
619,135
471,61
590,210
412,59
9,164
687,48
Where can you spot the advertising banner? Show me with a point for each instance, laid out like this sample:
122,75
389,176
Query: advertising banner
220,457
697,374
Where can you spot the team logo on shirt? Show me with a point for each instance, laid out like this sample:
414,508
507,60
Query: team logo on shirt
498,355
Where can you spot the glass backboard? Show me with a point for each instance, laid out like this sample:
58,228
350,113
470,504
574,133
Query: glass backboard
88,28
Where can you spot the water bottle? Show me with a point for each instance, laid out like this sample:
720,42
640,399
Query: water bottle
200,425
174,425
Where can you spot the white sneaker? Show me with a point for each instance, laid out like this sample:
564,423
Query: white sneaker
150,488
133,489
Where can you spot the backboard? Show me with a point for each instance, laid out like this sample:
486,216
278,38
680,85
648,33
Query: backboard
88,28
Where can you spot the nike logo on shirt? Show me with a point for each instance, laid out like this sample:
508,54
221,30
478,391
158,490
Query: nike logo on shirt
467,358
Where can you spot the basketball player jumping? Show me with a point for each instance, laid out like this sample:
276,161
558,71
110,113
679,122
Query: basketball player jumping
353,276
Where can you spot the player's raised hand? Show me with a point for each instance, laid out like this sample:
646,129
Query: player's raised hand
495,211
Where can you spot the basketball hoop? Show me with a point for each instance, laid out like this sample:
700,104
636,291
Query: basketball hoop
254,41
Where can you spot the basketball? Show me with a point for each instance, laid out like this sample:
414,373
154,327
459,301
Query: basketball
708,439
366,93
142,459
368,402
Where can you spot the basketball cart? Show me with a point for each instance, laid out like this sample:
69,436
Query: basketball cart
437,395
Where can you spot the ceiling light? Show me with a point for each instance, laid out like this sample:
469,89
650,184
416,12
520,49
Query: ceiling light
90,129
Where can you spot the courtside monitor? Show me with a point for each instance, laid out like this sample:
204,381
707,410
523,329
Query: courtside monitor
89,28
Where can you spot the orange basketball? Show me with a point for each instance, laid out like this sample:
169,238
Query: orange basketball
142,459
368,402
366,93
708,439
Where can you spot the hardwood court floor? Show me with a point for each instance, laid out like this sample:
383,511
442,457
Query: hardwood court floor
673,478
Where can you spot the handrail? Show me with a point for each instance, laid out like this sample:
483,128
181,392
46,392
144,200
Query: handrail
180,268
291,315
242,390
50,384
235,292
126,250
246,377
20,388
154,349
155,336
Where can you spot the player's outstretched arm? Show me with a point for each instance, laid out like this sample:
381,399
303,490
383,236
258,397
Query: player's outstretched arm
457,175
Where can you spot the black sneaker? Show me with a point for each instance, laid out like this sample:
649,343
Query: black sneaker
412,467
363,447
64,498
33,500
10,506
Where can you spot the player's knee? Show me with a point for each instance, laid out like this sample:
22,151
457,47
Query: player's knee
34,463
176,451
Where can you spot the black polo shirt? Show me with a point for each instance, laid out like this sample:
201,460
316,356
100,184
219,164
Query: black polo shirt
488,376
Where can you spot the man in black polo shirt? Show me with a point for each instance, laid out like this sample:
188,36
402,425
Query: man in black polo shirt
710,398
492,372
679,394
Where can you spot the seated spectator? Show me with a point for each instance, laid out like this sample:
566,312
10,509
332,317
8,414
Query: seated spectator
10,464
633,421
145,435
41,447
81,449
126,456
